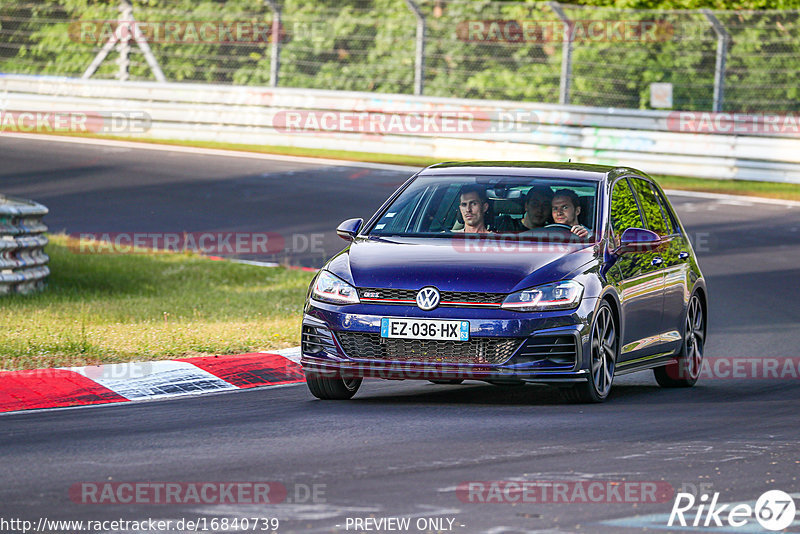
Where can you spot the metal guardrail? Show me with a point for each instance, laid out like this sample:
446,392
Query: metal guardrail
23,263
505,130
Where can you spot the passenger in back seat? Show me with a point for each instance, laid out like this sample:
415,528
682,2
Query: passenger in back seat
537,211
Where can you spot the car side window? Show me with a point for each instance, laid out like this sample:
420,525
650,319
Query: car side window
651,209
665,211
624,210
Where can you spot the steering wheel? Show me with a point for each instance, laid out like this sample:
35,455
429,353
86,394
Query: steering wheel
560,226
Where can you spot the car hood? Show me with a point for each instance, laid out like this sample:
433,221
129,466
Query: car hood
485,265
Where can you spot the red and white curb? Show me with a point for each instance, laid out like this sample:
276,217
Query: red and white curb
135,381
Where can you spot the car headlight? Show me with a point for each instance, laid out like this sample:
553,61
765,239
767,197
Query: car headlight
332,289
563,295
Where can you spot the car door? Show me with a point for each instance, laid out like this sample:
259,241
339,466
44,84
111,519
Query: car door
638,277
675,256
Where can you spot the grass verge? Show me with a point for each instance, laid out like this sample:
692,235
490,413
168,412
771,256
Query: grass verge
114,308
732,187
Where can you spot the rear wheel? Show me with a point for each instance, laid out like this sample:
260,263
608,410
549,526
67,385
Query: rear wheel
684,372
602,360
332,388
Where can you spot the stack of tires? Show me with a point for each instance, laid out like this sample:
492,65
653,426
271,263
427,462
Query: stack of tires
23,263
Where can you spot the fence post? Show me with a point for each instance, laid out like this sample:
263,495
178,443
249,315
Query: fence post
566,54
419,62
127,29
723,40
124,44
275,45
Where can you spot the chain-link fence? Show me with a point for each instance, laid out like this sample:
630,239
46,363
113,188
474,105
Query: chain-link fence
746,61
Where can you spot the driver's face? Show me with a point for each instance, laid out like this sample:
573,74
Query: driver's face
472,209
564,211
538,209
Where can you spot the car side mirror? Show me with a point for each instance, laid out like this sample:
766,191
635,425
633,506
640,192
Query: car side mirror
349,229
638,240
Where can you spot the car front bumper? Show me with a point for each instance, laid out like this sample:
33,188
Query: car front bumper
326,325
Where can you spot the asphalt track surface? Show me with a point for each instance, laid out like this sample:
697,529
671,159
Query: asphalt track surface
401,448
101,189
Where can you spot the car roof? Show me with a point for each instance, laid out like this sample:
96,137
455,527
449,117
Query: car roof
540,169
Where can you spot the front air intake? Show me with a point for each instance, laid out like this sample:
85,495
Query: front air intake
550,351
478,351
316,339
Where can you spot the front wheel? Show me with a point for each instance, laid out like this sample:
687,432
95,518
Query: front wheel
602,361
684,372
332,387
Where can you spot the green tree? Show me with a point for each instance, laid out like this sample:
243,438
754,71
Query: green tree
369,45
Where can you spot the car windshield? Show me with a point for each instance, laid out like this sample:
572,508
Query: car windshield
525,207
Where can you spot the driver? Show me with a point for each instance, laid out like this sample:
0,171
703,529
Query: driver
473,206
565,209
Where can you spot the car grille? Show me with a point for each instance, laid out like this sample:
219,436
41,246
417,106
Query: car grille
448,298
362,345
557,351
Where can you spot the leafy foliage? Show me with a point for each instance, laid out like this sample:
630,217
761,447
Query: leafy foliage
369,45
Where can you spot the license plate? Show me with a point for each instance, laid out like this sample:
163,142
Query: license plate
425,329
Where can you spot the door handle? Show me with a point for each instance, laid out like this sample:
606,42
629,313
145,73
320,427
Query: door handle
683,255
657,261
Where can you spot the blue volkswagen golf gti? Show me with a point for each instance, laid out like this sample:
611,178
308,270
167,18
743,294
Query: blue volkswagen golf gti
510,273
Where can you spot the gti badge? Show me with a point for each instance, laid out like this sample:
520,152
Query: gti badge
428,298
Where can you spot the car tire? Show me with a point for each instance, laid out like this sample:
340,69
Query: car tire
447,381
604,349
332,388
685,370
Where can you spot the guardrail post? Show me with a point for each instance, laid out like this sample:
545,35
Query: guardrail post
566,54
419,61
275,45
723,40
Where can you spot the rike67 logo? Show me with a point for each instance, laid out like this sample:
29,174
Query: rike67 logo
774,510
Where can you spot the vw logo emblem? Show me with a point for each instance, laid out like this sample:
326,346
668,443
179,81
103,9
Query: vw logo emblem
427,298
